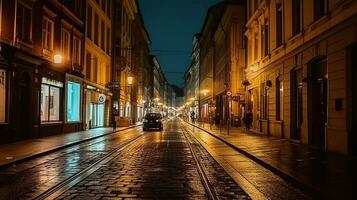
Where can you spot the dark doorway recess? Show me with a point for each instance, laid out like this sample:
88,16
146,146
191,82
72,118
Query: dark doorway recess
296,78
352,94
317,102
25,107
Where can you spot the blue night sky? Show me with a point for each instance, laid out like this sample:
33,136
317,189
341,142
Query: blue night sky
171,25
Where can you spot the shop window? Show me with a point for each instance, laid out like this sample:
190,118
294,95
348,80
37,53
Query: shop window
50,103
23,22
73,101
47,34
2,96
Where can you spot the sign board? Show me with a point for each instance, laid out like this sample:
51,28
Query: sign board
101,98
229,93
113,85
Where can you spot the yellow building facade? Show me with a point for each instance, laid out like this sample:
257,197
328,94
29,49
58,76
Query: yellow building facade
98,46
299,76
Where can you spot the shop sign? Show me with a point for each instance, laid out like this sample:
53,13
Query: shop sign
52,82
101,99
113,85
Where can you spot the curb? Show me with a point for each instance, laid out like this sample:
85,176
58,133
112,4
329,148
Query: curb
314,192
37,155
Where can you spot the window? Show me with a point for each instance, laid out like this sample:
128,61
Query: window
96,29
73,101
102,35
2,96
50,103
265,39
89,22
279,24
65,43
296,15
319,9
88,65
278,98
255,46
47,34
77,50
95,68
23,23
264,101
108,40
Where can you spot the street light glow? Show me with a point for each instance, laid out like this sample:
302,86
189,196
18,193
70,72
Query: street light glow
130,80
57,58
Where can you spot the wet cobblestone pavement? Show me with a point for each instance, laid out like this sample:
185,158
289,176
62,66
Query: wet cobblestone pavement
159,165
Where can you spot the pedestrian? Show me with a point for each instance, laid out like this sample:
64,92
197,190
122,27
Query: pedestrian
218,118
193,117
114,124
248,119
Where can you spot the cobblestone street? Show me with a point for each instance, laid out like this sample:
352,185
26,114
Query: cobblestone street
157,165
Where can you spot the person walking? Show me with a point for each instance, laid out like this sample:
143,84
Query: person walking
114,124
193,117
248,119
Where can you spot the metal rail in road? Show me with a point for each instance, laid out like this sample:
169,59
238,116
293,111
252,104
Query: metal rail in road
211,192
63,186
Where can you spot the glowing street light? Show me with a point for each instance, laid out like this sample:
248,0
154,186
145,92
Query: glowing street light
58,58
205,92
130,80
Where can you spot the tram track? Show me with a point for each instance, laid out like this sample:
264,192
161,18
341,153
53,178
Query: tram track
66,184
210,190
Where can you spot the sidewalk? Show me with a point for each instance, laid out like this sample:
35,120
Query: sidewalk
330,174
13,153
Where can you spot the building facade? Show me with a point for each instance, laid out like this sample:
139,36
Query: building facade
97,71
192,79
299,75
41,72
222,62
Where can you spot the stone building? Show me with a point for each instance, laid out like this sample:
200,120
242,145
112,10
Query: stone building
98,47
41,68
300,78
222,62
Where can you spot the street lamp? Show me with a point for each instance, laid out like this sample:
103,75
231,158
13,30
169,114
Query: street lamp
130,80
57,58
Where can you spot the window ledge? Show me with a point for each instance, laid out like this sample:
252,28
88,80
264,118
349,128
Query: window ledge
278,49
51,123
22,43
322,20
296,37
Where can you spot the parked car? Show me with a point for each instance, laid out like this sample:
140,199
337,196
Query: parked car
152,121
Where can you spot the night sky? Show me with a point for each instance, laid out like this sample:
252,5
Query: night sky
171,25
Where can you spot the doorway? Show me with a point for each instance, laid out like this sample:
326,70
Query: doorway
352,82
317,102
97,115
25,118
296,78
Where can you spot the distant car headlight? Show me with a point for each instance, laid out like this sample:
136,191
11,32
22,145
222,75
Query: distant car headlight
158,120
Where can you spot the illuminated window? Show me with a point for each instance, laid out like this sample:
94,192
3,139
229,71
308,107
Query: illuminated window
73,101
2,96
50,103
